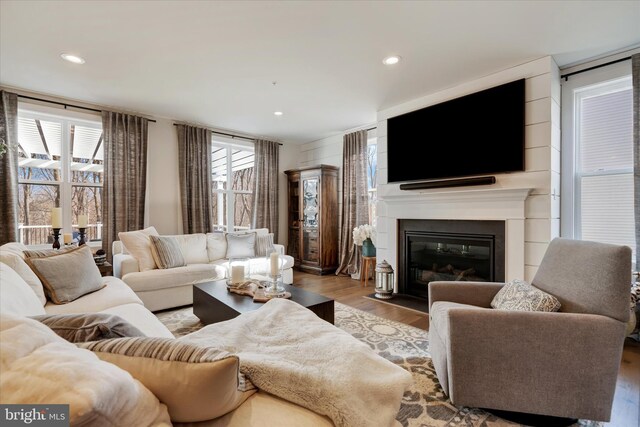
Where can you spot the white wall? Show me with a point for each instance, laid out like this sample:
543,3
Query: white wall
542,158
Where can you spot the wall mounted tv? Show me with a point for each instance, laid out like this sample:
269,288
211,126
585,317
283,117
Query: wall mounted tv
480,133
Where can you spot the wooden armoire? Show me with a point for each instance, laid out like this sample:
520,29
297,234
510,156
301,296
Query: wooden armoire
313,218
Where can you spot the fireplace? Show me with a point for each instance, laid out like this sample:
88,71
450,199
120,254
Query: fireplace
436,250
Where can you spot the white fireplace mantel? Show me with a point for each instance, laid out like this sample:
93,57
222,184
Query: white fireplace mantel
505,204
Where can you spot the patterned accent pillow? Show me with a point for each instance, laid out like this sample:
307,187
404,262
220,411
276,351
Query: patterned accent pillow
85,327
196,383
166,252
241,245
264,242
519,295
68,276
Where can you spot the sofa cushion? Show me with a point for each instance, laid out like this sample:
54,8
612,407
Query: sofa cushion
137,244
241,245
68,276
15,248
196,383
85,327
216,246
46,369
180,276
194,247
16,297
264,243
17,263
141,318
166,252
518,295
115,293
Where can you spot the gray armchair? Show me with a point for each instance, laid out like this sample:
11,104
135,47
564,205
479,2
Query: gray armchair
563,364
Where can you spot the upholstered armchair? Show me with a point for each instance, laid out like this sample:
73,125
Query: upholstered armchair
562,364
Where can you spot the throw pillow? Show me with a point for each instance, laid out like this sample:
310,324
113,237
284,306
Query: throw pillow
85,327
519,295
264,242
39,253
39,367
166,252
241,245
216,246
68,276
17,263
16,297
138,245
196,383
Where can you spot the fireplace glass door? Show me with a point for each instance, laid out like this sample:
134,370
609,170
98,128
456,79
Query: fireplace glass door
440,256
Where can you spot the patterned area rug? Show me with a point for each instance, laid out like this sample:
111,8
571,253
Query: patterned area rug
424,404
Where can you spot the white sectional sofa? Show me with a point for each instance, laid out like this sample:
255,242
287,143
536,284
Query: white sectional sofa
205,255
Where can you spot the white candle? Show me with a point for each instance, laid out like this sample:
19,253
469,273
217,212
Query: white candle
275,263
68,238
237,273
82,221
56,218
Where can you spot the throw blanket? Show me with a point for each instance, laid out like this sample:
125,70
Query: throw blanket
288,351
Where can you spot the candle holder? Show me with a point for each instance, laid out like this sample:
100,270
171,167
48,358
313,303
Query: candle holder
82,232
275,288
56,238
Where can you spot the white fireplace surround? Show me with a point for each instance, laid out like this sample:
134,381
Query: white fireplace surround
503,204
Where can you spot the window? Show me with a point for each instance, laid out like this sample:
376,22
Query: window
232,197
60,165
372,163
598,159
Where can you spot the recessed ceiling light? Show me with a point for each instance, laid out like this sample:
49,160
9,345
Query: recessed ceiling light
72,58
278,113
391,60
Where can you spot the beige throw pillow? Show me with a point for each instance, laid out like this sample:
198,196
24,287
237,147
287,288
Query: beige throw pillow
85,327
138,245
264,242
68,276
166,252
196,383
519,295
39,253
241,245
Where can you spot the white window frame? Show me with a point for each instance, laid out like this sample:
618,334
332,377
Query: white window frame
229,145
66,119
570,181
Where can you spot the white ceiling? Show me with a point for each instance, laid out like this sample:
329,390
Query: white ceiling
214,62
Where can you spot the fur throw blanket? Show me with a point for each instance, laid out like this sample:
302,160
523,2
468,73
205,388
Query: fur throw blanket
286,350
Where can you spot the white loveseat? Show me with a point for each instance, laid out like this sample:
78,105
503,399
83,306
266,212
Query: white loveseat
205,255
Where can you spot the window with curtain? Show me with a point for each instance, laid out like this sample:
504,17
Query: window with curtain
233,182
60,165
598,159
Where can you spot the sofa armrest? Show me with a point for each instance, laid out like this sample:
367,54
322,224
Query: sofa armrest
516,354
124,264
279,248
473,293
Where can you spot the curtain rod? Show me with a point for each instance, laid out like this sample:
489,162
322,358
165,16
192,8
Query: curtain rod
65,105
375,127
229,134
566,76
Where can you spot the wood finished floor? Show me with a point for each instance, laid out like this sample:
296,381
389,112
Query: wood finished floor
626,405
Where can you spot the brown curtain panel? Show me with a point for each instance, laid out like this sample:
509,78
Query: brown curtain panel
194,168
265,200
9,167
635,71
125,175
354,200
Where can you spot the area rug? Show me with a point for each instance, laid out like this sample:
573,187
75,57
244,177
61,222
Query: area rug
424,404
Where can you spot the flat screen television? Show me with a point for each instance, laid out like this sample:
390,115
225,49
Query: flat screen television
480,133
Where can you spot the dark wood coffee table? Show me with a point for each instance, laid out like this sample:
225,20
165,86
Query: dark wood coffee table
213,303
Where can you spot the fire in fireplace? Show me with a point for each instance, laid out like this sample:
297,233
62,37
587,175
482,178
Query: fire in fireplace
435,250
